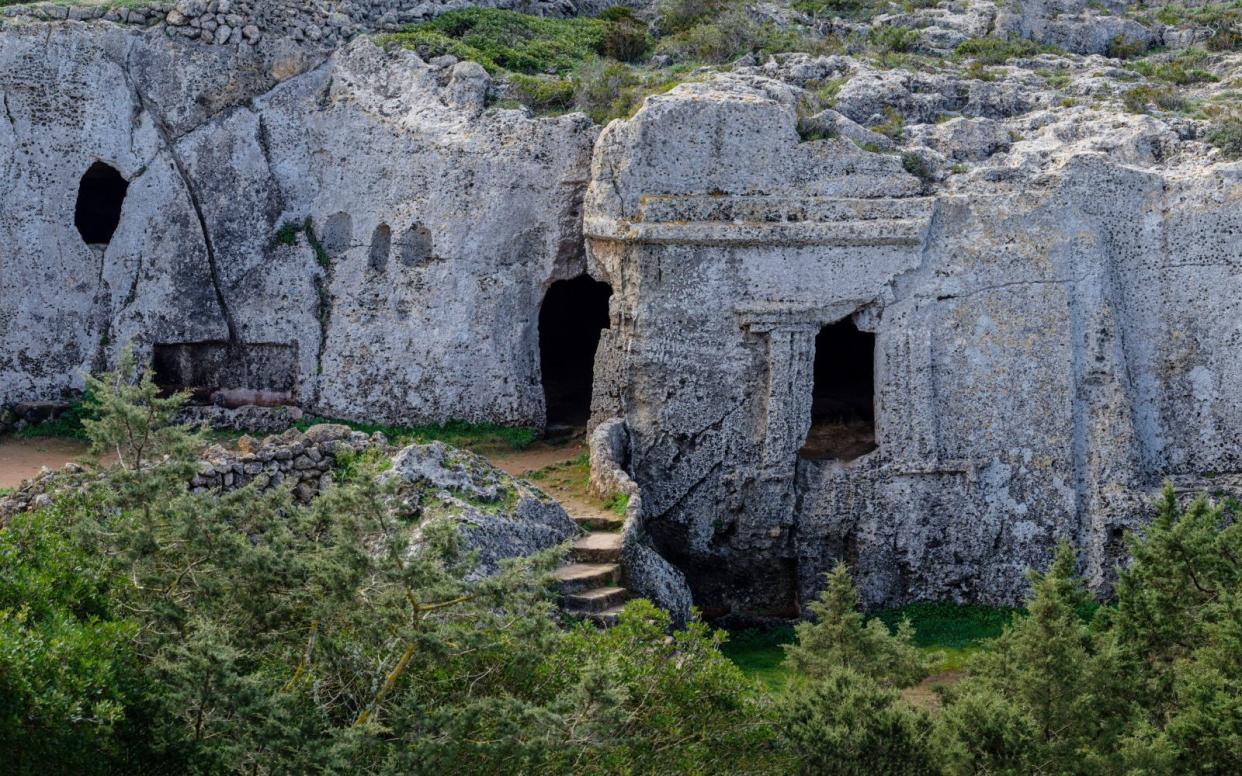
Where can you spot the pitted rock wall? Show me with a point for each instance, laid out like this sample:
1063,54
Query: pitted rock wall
224,147
1048,349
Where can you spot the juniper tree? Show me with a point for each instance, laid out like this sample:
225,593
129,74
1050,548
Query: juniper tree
840,636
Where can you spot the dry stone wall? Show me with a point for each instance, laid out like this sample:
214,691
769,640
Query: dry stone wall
225,22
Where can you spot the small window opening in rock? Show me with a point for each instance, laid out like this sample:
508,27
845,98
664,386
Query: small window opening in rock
381,246
570,320
843,396
414,247
338,233
100,197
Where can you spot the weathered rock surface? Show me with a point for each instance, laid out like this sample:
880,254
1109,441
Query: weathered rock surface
1046,253
1049,341
412,297
496,515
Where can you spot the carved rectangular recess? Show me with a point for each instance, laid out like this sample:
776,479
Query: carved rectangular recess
206,367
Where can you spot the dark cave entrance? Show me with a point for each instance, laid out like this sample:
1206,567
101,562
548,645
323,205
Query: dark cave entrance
843,397
573,314
101,195
230,374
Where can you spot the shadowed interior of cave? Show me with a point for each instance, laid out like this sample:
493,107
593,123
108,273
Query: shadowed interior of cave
843,397
100,197
570,320
228,373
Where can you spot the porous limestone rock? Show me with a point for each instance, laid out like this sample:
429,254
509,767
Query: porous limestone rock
1046,252
1050,342
348,226
644,571
496,515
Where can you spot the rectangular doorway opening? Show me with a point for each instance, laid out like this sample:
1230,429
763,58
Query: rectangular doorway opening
843,394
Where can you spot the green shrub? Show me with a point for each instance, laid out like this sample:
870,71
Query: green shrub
543,93
1226,134
893,126
917,166
841,637
506,40
898,40
288,233
811,129
723,39
1122,47
70,684
979,72
1144,99
606,90
1224,39
998,51
846,9
625,37
676,16
845,723
148,629
1181,69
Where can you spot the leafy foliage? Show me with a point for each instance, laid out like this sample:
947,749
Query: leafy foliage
998,51
506,41
839,636
146,628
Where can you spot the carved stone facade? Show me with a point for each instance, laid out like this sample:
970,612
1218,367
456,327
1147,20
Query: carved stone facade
1028,345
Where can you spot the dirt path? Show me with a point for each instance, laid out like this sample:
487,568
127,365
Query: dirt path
21,459
561,471
540,455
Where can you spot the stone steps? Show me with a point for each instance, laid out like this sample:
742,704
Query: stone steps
577,577
608,523
598,547
591,584
597,599
606,618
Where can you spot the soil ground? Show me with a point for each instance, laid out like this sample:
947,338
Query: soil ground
21,459
561,470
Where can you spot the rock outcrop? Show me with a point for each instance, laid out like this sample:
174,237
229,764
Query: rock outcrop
348,227
929,318
1047,342
496,515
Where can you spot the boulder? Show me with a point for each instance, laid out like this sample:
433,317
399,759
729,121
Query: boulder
496,515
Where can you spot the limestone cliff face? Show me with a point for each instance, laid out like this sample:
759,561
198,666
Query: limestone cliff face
412,296
1047,350
1046,291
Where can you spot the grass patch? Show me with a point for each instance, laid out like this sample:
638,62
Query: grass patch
618,504
596,65
953,631
506,41
997,51
476,437
1182,69
761,655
